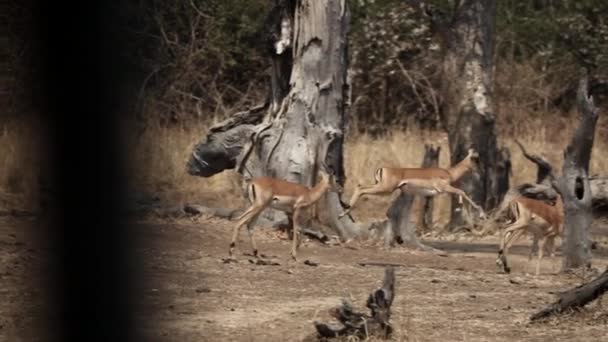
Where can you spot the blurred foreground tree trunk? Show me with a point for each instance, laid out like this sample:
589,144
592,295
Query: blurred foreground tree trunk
303,120
468,110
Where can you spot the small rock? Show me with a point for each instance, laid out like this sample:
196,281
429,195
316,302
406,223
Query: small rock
231,309
202,290
311,263
473,296
435,281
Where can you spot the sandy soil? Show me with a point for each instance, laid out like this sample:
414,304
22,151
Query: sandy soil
189,294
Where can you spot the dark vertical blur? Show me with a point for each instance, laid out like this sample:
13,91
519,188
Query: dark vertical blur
90,282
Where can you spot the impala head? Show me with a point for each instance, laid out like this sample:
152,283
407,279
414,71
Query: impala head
472,158
327,175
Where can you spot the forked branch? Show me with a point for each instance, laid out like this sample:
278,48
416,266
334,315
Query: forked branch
544,171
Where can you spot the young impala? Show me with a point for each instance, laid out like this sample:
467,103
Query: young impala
288,197
545,222
420,181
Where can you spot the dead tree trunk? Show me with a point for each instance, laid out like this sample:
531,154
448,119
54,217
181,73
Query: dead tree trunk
574,184
468,110
431,159
576,297
306,107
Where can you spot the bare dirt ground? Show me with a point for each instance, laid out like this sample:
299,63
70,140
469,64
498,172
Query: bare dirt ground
189,294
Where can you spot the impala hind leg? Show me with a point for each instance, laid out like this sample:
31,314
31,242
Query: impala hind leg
510,235
533,248
363,190
250,227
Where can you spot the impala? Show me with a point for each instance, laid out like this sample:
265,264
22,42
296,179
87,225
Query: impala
421,181
545,222
282,195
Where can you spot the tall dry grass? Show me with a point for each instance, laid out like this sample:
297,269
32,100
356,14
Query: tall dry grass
160,154
158,157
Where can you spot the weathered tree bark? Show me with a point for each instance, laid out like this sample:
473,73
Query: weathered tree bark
361,325
468,113
431,159
576,297
304,120
574,184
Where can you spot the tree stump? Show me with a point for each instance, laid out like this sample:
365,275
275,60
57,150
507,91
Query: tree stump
361,325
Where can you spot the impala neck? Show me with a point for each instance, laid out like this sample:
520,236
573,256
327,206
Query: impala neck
559,204
461,168
318,190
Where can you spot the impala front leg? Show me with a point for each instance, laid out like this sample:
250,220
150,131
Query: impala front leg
294,244
462,194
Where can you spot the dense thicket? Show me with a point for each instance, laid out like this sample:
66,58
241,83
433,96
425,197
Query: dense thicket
202,59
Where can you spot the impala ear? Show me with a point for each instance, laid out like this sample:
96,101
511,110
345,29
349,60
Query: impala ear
473,153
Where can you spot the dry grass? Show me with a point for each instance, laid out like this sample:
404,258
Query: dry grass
160,154
158,165
158,158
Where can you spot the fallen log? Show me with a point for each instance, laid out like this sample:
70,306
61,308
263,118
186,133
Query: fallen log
576,297
226,213
361,325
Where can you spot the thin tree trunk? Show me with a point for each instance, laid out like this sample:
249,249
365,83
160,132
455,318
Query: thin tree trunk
575,187
468,113
304,122
430,159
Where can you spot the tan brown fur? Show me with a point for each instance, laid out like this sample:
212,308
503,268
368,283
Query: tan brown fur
389,179
286,196
545,222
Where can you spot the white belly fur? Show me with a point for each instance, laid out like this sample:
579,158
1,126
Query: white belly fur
421,191
282,203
